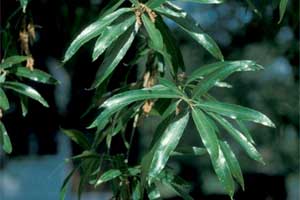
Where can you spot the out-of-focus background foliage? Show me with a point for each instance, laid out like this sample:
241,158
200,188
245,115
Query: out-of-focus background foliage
37,168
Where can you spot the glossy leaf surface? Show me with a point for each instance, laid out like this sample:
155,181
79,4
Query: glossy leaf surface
207,133
110,34
25,90
93,30
212,79
188,24
119,101
205,70
165,145
223,172
108,175
114,55
34,75
233,163
240,138
236,112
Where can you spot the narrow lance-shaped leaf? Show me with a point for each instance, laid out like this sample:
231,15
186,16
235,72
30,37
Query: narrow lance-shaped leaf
34,75
93,30
282,9
245,131
24,105
205,70
171,45
166,144
78,137
25,90
222,170
119,101
233,163
114,55
207,133
189,151
4,103
240,138
188,24
212,79
4,139
110,34
108,176
236,112
153,32
10,61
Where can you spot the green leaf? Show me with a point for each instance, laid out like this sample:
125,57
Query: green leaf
171,85
119,101
108,176
155,3
110,34
114,55
282,9
188,24
25,90
233,163
4,139
240,138
205,1
245,131
205,70
153,32
171,45
189,151
34,75
218,75
10,61
92,31
222,170
236,112
78,137
24,105
24,5
4,103
162,149
207,133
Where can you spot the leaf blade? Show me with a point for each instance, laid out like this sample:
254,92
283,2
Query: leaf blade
25,90
92,31
236,112
4,139
115,55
